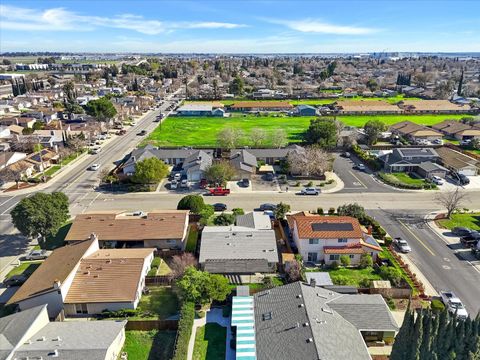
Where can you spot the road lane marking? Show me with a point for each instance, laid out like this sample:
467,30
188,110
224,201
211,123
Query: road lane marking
417,238
13,197
360,181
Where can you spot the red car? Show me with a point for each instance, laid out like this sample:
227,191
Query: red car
219,191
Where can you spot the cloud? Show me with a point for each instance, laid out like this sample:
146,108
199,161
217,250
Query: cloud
60,19
321,27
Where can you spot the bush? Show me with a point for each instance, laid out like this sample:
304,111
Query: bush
392,181
365,283
388,241
224,219
392,274
320,211
206,213
194,203
238,211
331,211
331,181
310,184
123,313
391,304
370,160
334,265
345,260
365,261
340,280
184,332
437,306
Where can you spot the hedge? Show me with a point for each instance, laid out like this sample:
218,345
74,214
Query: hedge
370,160
185,324
437,306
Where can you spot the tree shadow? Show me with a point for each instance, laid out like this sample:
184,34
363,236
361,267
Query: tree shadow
216,336
162,346
13,244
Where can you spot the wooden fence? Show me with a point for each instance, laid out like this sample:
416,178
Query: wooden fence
147,325
158,280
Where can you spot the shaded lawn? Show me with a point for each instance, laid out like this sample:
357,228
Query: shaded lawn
355,277
149,345
203,131
471,221
161,303
26,267
58,240
407,179
154,266
210,342
192,239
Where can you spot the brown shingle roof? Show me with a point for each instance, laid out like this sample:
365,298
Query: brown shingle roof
354,249
451,126
56,267
367,105
306,231
118,226
262,104
455,160
434,105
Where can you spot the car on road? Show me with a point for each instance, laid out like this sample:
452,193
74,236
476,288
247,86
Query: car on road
309,191
36,255
402,245
245,183
462,231
454,304
94,167
360,167
346,154
121,132
142,133
438,180
268,206
219,207
96,150
218,191
15,280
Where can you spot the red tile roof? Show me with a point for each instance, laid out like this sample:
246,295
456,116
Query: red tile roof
354,249
305,229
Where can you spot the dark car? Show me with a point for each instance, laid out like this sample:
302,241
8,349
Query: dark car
346,154
470,241
143,132
245,183
15,280
269,177
219,207
270,207
461,231
464,180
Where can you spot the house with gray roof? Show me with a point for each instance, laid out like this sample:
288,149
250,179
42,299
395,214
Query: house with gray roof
198,109
244,162
304,110
238,250
254,220
272,155
195,165
305,321
408,159
30,335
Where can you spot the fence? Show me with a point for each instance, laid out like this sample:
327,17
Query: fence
158,280
164,253
147,325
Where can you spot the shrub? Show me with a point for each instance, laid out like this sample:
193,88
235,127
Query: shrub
224,219
365,261
331,181
185,324
238,211
194,203
334,265
365,283
320,211
437,306
340,280
345,260
122,313
391,304
391,180
298,184
388,241
370,160
321,184
310,184
392,274
331,211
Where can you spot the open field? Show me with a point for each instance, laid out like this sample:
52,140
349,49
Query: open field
203,131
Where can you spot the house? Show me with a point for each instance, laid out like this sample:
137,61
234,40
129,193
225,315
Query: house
408,159
24,122
458,162
9,158
326,238
195,165
244,163
305,321
30,334
254,220
82,279
415,133
457,130
238,250
349,107
256,106
15,129
156,229
200,109
4,132
428,169
304,110
43,159
433,107
272,156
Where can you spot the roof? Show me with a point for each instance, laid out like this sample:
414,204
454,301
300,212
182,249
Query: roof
262,104
119,226
101,278
195,107
237,266
321,278
237,243
434,105
199,160
254,220
456,160
367,105
428,166
272,152
327,227
57,267
352,249
451,126
243,160
284,327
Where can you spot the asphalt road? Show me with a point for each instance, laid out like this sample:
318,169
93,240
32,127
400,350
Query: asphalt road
440,264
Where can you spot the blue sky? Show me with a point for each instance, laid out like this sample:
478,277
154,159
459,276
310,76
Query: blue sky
242,26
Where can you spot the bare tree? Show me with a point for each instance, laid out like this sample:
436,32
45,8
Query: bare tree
279,138
11,174
258,137
76,143
179,264
313,162
451,200
229,138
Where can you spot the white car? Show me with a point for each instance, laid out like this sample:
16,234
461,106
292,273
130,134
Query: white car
96,150
360,167
310,191
173,184
36,255
437,142
453,304
466,142
94,167
177,176
438,180
402,245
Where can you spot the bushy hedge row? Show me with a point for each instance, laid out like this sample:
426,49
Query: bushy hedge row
123,313
185,324
372,162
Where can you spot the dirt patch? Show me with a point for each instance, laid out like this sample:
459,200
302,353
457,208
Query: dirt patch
21,186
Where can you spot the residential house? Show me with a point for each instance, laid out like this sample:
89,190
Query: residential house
30,334
201,109
256,106
305,321
408,159
15,129
458,162
244,163
304,110
272,156
363,107
156,229
415,133
195,165
82,279
9,158
429,169
433,107
43,159
254,220
24,122
457,130
326,238
4,132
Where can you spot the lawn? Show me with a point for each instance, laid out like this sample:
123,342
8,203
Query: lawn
407,179
149,345
163,269
192,239
26,267
354,277
52,170
203,131
160,303
471,221
210,342
58,240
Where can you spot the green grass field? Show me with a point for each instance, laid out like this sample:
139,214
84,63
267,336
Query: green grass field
202,131
471,221
210,342
149,345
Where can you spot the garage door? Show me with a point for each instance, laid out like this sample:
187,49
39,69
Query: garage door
468,172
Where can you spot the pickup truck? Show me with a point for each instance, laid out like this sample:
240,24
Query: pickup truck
453,304
218,191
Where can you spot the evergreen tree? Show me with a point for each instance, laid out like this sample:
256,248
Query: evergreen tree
460,84
402,341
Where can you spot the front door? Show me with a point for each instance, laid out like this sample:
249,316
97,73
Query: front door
312,257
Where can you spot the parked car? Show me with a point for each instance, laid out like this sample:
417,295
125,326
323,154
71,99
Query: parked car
437,142
245,182
346,154
36,255
96,150
469,241
461,231
138,213
463,179
270,214
15,280
177,176
438,180
269,177
203,184
184,183
402,245
142,133
309,191
173,184
267,206
94,167
121,132
218,191
453,304
360,167
466,142
219,207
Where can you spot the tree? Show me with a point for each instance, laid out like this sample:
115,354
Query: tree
366,261
229,138
215,88
451,200
373,129
76,143
281,210
102,109
180,263
475,144
345,260
224,219
443,90
194,203
353,210
206,213
460,84
202,287
314,161
372,85
294,271
41,215
236,86
149,171
220,172
69,91
258,136
322,131
279,138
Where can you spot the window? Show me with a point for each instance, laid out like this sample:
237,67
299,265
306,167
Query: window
342,240
352,256
171,241
334,257
312,256
313,241
81,308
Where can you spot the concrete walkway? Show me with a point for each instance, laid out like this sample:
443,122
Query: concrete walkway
212,316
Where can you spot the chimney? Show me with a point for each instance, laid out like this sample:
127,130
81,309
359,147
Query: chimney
56,284
93,236
369,230
313,282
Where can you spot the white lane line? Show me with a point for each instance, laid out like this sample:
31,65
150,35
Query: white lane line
91,202
13,197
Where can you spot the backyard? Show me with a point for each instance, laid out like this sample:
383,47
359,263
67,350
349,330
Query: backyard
160,303
353,277
210,342
203,131
471,221
149,345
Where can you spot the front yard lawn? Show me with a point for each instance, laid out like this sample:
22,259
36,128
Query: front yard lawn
210,342
149,345
52,170
408,179
26,267
353,277
160,303
471,221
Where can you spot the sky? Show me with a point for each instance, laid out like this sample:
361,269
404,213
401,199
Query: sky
240,26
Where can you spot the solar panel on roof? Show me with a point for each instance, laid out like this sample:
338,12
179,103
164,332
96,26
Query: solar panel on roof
327,226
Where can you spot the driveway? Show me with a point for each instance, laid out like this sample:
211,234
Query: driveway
259,183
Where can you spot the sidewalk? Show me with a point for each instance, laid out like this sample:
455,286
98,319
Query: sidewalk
429,289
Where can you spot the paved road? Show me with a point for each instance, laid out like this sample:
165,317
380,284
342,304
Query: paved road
442,266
